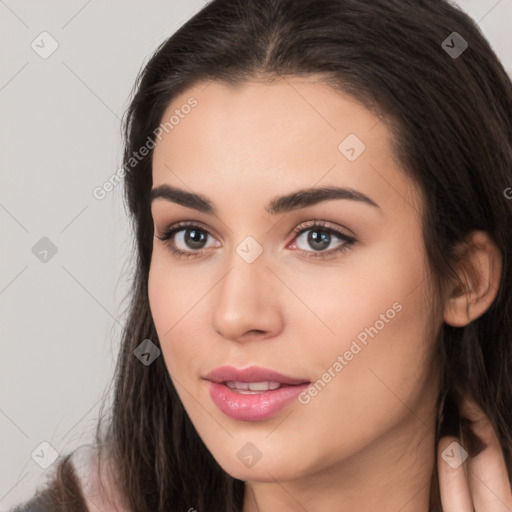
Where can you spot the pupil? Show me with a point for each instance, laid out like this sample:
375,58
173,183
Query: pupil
323,240
196,237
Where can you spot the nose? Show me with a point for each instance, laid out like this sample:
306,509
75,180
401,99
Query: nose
247,301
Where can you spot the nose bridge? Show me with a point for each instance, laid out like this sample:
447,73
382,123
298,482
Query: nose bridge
245,299
244,285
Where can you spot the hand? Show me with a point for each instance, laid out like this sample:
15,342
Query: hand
481,483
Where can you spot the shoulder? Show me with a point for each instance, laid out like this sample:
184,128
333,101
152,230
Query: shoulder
96,481
81,484
34,505
61,494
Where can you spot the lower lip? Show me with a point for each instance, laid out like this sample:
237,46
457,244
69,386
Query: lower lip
257,407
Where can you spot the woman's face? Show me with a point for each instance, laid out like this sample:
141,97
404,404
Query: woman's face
265,283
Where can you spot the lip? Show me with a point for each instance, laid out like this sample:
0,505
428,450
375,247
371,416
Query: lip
252,407
251,374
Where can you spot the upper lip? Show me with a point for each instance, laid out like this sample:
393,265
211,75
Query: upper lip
251,374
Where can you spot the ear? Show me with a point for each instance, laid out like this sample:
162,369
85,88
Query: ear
480,269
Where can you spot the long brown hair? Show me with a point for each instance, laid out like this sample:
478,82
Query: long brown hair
451,120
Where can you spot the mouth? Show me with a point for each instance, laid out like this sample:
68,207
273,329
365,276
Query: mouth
253,388
254,393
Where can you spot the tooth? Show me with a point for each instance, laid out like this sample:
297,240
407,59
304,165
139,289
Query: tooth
252,387
237,385
263,386
258,386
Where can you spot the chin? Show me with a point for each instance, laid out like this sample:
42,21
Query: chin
260,473
269,468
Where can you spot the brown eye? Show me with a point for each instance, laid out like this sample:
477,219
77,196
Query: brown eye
185,239
319,238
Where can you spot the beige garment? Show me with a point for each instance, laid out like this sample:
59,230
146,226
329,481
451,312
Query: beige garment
99,498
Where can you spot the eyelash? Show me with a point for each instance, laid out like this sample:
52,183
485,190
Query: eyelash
307,226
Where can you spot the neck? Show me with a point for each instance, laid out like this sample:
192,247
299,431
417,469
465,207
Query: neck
393,473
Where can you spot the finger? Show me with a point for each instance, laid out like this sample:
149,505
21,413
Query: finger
488,478
453,482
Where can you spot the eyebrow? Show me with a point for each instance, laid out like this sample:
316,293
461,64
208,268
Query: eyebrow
282,204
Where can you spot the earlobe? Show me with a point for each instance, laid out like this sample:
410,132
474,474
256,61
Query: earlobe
481,267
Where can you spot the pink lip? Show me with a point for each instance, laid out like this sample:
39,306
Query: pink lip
251,374
248,407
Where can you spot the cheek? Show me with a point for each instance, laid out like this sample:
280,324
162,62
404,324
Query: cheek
380,353
375,290
175,301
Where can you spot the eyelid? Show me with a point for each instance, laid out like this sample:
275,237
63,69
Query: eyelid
323,224
301,227
177,226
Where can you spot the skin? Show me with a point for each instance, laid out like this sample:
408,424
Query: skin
366,441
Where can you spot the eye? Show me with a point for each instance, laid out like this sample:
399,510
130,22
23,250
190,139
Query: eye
187,239
320,237
183,236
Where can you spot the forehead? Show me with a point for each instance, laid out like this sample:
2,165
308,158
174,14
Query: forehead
288,133
297,109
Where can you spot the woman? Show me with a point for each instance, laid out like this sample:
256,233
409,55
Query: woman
321,306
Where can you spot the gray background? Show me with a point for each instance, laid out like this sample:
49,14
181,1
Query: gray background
60,130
